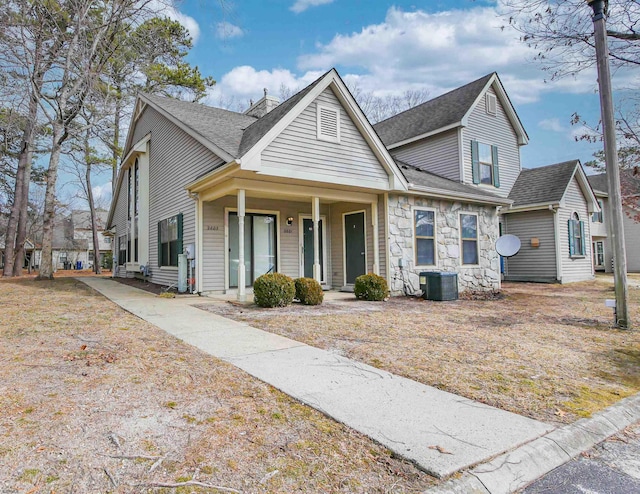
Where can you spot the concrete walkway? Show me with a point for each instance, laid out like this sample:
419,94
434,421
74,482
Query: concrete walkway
441,432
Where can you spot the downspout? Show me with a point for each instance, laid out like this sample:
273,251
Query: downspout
556,233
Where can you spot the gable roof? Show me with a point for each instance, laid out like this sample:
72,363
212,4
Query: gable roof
261,126
445,112
599,183
423,181
547,185
224,128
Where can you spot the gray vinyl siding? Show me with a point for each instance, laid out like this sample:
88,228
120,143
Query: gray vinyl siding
288,236
120,216
576,268
175,159
438,154
531,263
497,131
298,150
337,239
631,240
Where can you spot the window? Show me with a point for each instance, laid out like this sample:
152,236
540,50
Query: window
424,223
576,236
107,240
169,240
492,106
469,229
484,161
597,216
130,197
136,209
598,254
122,250
328,123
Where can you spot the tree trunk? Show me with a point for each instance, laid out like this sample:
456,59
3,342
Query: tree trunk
94,225
46,262
116,144
17,227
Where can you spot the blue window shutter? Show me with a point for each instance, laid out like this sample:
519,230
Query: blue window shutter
180,247
582,251
571,239
496,171
475,165
159,243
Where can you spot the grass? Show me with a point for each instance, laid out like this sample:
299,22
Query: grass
90,407
545,351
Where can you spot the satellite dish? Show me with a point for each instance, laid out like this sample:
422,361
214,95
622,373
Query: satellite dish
508,245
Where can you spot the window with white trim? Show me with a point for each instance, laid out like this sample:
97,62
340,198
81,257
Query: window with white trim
328,123
424,222
576,236
596,217
484,163
122,250
469,238
169,240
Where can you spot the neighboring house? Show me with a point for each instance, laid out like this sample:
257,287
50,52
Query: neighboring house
305,188
72,244
600,223
551,213
29,257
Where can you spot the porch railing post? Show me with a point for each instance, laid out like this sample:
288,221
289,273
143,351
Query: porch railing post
376,246
315,214
241,267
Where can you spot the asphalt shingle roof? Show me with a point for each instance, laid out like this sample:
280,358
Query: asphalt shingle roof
416,176
223,128
629,182
260,127
599,182
546,184
434,114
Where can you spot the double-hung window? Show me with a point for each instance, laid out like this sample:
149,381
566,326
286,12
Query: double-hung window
169,240
576,236
424,224
596,217
484,161
122,250
469,238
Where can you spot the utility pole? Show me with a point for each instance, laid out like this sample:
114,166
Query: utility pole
611,163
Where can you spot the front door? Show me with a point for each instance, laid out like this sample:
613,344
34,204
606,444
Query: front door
259,246
307,248
598,254
354,247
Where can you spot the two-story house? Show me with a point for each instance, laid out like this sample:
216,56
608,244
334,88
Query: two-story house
472,135
601,238
305,188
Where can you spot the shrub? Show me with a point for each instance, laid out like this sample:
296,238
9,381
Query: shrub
309,291
371,287
273,290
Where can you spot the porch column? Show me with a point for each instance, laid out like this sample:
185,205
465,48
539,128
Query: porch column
376,246
241,268
315,215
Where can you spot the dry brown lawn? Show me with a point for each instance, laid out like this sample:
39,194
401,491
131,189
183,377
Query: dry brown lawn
545,351
94,399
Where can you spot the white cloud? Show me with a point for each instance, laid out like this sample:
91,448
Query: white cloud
245,82
440,51
552,124
583,131
302,5
226,30
102,193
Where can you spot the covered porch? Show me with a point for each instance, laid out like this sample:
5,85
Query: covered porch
247,227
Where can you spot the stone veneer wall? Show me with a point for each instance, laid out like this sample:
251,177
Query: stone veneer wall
484,276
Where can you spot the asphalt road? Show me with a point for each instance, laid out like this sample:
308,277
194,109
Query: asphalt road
612,467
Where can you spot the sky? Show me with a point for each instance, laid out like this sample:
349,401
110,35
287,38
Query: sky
386,48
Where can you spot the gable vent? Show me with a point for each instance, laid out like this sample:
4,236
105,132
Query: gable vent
328,123
492,104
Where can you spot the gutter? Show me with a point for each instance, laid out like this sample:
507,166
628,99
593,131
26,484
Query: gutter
499,201
532,207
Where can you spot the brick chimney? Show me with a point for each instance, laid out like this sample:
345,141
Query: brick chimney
263,106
